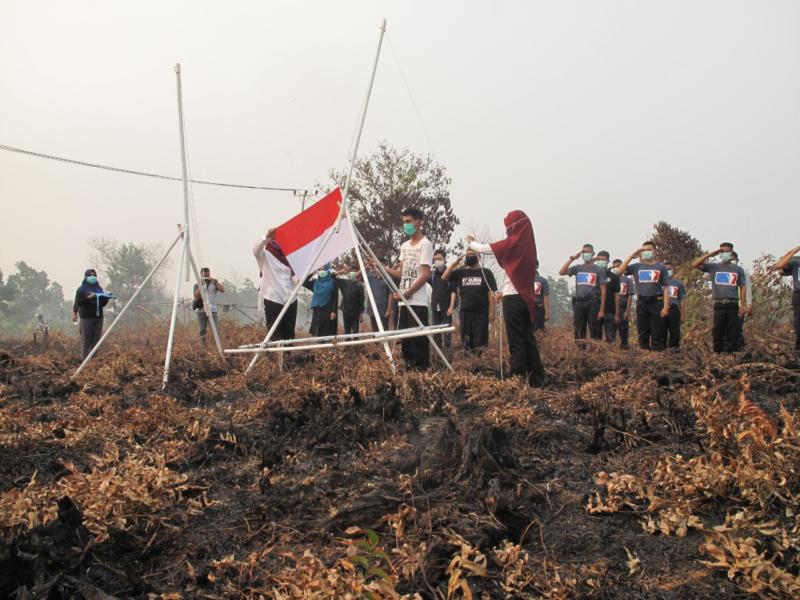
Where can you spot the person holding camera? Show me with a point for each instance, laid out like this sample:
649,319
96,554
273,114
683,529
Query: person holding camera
213,287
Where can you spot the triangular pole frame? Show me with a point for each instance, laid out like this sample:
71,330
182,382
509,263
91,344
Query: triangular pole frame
186,261
344,213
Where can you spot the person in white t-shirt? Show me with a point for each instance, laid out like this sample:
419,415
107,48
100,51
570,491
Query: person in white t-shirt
213,288
413,271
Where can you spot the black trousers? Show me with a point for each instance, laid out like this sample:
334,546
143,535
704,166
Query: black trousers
624,326
538,318
585,311
91,332
474,329
672,324
610,327
416,350
350,322
796,308
726,327
285,330
321,322
384,320
440,317
523,351
650,324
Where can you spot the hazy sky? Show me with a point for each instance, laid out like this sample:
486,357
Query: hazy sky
597,118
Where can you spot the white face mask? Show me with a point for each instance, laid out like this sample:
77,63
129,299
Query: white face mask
615,270
438,263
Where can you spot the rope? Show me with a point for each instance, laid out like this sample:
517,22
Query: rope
145,174
410,95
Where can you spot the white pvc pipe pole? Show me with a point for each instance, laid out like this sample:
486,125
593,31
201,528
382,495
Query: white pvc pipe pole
206,306
396,290
174,317
348,336
184,168
354,153
126,307
393,336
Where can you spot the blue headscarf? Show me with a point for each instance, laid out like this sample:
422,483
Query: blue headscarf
323,289
87,288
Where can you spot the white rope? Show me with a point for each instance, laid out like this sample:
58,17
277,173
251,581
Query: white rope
411,96
145,174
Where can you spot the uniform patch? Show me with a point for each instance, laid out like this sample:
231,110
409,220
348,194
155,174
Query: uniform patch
586,279
673,291
726,278
623,288
537,288
649,276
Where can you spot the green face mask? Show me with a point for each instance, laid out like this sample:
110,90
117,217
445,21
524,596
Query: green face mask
669,272
647,255
324,274
734,261
601,263
586,256
725,257
91,280
615,270
352,274
409,228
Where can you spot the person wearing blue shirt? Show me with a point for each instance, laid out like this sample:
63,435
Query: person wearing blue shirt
677,295
590,292
728,289
789,266
652,296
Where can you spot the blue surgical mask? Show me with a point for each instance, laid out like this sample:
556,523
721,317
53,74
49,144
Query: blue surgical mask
725,256
669,272
647,255
586,256
601,263
409,228
91,280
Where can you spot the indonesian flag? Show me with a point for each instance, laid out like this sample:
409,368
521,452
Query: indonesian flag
302,235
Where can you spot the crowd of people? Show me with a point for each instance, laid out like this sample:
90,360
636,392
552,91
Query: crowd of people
422,288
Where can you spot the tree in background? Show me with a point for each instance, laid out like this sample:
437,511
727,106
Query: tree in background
772,294
123,266
29,292
389,181
241,296
675,244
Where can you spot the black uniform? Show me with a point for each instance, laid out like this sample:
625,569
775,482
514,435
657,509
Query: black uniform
650,279
474,285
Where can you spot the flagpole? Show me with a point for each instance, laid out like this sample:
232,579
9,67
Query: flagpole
354,153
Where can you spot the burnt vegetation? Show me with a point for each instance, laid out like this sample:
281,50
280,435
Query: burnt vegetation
630,475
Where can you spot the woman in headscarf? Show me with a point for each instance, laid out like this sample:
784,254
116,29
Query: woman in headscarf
89,302
516,255
324,301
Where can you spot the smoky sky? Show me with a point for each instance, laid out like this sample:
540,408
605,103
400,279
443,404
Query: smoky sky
596,118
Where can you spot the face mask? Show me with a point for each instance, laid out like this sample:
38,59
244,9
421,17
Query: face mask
647,255
471,261
439,264
615,270
91,280
587,256
734,261
324,274
725,256
409,228
352,274
669,272
601,263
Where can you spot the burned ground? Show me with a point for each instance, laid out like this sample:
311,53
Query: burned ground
630,475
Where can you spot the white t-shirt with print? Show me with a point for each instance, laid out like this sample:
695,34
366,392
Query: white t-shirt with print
413,256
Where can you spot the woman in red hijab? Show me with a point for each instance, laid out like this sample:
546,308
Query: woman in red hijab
516,255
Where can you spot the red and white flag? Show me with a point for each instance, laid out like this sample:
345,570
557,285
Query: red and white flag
301,236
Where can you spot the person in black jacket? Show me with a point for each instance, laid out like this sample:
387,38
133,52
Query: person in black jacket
324,301
352,305
441,296
89,302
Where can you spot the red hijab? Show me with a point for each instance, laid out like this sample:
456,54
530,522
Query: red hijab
516,255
